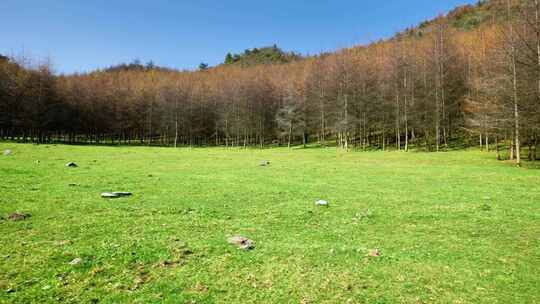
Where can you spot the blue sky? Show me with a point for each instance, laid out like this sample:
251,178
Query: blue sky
82,35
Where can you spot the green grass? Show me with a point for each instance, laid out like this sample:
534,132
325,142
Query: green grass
455,227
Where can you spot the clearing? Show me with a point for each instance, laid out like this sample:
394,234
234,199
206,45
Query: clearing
454,227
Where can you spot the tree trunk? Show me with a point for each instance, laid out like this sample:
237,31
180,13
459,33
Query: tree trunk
290,134
323,131
535,143
405,116
537,21
515,93
512,149
497,147
481,142
176,132
398,136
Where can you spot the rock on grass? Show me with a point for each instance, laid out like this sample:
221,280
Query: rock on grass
321,203
374,253
19,216
241,242
122,193
116,194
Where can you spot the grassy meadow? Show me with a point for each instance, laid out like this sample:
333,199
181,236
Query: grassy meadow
451,227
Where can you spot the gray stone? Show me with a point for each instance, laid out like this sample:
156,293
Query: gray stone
321,203
7,152
241,242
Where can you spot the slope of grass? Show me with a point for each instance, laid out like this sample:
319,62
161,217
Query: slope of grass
456,227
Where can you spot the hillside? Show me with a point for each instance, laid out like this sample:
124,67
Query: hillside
467,17
462,18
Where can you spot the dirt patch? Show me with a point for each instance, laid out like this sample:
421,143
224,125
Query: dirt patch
200,287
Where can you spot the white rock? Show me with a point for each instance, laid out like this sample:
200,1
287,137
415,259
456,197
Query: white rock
321,203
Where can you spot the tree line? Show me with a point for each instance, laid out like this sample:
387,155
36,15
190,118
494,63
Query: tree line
434,87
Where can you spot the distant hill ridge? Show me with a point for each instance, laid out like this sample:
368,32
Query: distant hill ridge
264,55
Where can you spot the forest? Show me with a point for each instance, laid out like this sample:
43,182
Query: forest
471,77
